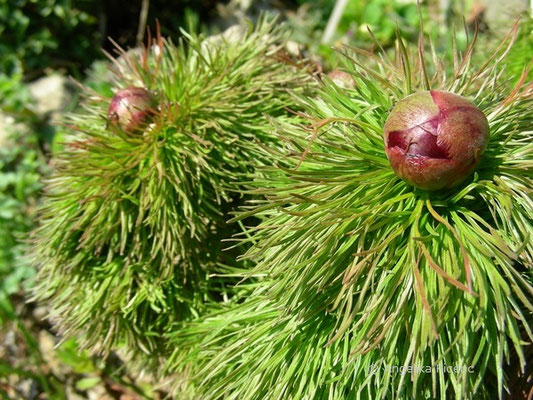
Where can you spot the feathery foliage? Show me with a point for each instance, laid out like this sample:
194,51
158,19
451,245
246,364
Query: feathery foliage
357,274
130,232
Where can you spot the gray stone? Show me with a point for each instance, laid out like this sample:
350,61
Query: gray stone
7,123
98,393
500,15
8,126
72,395
53,95
234,34
24,388
240,11
47,343
40,313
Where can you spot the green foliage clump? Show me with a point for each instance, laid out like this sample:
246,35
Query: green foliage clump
131,231
37,34
21,167
357,274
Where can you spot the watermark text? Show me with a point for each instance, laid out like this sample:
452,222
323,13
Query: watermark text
421,369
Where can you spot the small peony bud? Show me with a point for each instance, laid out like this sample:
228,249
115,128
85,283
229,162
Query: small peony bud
132,108
435,139
342,79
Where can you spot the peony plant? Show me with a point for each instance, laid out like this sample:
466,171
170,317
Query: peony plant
130,233
373,280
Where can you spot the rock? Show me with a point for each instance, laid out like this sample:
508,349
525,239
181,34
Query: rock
47,343
40,313
53,95
238,11
98,393
500,15
7,126
236,34
6,123
24,388
9,345
233,34
72,394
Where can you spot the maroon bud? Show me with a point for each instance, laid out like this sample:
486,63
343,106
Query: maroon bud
342,79
435,139
132,108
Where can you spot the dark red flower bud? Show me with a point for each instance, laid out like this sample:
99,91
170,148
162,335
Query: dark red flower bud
435,139
132,108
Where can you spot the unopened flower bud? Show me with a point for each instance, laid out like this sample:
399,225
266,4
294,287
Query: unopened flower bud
342,79
132,108
435,139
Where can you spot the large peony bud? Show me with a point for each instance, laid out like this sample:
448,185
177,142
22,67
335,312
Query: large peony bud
131,108
435,139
